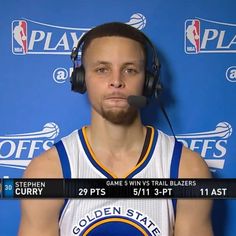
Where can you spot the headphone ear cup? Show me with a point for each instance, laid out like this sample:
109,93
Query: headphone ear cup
149,85
77,80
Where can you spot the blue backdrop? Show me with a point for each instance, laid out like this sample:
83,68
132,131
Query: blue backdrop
196,41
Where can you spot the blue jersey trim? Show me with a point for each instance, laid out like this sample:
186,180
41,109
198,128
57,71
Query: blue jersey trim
174,168
65,165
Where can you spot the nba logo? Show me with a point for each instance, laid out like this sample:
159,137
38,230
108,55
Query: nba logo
192,36
19,37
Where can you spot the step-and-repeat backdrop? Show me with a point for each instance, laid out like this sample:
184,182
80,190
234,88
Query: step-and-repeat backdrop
196,43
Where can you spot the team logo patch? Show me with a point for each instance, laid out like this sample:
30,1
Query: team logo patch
116,221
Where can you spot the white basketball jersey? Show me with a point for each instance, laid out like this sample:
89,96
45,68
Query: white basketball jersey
115,217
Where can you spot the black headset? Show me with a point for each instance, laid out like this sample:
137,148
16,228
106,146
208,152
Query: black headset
152,85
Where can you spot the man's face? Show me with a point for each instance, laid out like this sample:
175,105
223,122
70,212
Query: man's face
114,70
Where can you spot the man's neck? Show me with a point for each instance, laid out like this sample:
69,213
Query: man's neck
118,138
117,147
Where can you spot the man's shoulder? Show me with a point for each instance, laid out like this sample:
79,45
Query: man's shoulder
162,134
192,165
40,217
72,137
47,165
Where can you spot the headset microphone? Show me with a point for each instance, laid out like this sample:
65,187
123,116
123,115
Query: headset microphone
137,101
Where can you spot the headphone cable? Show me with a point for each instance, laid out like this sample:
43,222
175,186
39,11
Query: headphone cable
166,116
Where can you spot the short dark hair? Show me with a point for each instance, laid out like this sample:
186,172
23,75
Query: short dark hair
115,29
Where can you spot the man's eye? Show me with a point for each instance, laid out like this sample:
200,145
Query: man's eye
101,70
131,71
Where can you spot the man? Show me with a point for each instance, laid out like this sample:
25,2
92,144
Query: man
116,144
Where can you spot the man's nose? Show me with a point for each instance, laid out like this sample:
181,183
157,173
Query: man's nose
117,80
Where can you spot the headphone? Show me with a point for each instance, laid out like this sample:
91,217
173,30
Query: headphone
152,85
